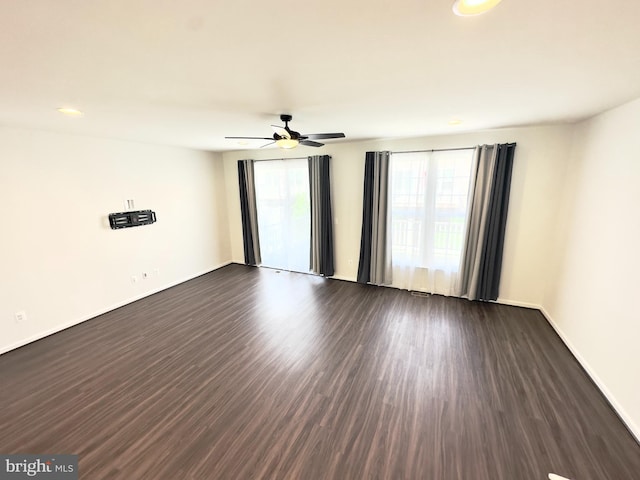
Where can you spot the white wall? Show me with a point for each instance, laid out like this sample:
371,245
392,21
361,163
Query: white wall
538,176
591,295
61,263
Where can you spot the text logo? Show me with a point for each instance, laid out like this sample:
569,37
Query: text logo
49,467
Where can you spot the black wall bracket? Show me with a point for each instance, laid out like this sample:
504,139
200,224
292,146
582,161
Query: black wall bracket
131,219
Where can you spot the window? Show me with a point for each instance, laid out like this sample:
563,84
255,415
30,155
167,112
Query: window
428,210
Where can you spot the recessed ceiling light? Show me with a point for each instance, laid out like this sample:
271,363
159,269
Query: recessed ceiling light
473,7
455,121
72,112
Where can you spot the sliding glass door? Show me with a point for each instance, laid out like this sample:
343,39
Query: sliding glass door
282,200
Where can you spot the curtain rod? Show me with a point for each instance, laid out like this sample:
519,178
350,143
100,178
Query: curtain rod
275,159
404,151
435,150
392,151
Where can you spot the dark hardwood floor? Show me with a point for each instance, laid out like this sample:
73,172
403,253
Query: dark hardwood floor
247,373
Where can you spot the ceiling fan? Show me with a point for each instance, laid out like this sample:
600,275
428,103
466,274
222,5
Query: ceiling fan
284,137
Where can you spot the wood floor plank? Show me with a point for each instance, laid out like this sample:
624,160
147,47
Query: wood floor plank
250,373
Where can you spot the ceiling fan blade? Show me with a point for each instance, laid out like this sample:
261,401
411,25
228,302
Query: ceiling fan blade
321,136
281,131
267,144
310,143
250,138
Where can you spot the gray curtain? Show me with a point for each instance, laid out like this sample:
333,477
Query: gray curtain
321,256
249,212
481,262
375,249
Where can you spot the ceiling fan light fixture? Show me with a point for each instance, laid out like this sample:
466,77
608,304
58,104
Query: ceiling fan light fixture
71,112
465,8
287,143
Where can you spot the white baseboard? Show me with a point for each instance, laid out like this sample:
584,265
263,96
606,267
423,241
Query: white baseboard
102,311
516,303
626,419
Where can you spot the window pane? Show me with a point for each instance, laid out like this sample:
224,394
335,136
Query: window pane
428,202
282,200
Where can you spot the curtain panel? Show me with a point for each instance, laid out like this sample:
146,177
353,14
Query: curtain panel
249,212
321,254
375,255
481,263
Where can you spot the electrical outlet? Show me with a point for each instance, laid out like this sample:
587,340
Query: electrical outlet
145,275
134,279
20,316
156,272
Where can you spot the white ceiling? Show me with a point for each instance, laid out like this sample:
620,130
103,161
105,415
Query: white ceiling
189,72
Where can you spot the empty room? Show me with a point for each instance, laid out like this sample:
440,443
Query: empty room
322,240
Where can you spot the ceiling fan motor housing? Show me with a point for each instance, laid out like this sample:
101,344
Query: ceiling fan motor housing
293,135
